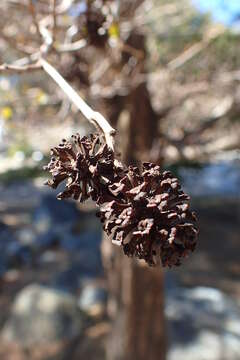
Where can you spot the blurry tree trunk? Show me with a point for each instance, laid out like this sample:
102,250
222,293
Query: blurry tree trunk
136,299
136,309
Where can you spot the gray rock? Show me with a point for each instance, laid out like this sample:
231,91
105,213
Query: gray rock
26,236
52,212
85,240
203,324
48,257
212,179
17,254
6,238
93,299
47,240
43,315
42,221
86,264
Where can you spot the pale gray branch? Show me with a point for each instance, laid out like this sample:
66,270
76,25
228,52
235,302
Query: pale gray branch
20,69
94,117
71,47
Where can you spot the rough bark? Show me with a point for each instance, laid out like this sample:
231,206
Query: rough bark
136,300
136,308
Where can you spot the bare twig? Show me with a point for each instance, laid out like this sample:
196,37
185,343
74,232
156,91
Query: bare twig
228,76
44,7
71,47
46,35
187,55
94,117
222,109
138,54
193,138
48,40
20,69
227,142
195,49
100,71
33,58
54,18
64,6
34,17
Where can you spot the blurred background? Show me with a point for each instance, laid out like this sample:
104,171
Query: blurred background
166,73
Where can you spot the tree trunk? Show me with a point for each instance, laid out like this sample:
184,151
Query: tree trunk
136,308
136,300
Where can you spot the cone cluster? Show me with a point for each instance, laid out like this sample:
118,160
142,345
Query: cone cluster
145,212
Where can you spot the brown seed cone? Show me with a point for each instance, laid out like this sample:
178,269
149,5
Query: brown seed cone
152,220
146,213
86,165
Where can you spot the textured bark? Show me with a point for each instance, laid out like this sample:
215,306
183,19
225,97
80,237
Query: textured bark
136,308
136,299
143,126
145,321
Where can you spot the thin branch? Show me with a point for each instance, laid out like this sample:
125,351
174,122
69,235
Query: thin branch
71,47
34,17
46,35
138,54
64,6
27,60
193,138
94,117
224,108
100,71
195,49
20,69
48,40
54,18
187,55
44,7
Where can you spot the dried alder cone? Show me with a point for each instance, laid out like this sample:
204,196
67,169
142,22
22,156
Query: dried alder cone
145,212
87,167
154,210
